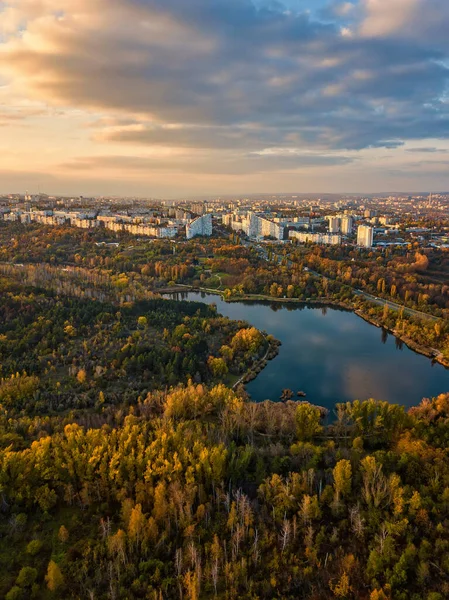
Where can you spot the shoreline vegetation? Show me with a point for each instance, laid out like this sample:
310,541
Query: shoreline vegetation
427,351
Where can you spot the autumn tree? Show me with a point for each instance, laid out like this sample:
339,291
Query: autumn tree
54,577
308,421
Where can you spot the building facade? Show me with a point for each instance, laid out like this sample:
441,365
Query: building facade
334,224
365,235
254,226
347,223
328,239
200,226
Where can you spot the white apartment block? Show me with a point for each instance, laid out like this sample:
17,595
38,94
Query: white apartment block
254,226
85,223
365,235
347,223
334,224
200,226
142,229
328,239
261,227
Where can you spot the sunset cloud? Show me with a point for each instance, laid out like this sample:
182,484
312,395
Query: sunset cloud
230,78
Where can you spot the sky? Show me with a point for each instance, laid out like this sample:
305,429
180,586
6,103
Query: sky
176,98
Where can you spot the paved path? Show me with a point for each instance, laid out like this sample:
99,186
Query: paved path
258,363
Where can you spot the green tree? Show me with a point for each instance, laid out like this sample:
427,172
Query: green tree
217,366
34,547
26,577
15,593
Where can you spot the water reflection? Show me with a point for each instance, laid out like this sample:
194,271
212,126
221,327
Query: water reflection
333,355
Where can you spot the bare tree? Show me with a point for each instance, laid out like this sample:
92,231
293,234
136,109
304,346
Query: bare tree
285,533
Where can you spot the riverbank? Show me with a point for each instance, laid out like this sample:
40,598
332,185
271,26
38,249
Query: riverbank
253,372
184,288
431,353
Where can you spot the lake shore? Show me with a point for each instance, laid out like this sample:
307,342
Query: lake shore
430,353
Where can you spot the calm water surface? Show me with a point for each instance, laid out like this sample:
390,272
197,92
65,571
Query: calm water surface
333,356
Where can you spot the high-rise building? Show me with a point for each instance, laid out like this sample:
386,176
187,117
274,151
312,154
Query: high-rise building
346,225
227,219
365,236
199,208
200,226
254,226
334,224
260,227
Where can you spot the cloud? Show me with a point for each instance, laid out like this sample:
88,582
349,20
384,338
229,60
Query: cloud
424,22
229,80
10,115
209,164
209,64
428,150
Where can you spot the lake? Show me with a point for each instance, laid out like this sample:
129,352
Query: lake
333,356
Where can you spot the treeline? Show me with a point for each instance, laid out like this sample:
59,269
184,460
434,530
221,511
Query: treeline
411,277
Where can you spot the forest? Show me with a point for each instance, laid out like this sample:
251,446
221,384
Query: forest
60,353
195,493
132,467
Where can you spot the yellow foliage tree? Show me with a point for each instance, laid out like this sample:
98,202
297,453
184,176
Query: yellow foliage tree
63,534
54,577
342,478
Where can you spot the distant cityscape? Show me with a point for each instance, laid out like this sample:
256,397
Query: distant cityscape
363,222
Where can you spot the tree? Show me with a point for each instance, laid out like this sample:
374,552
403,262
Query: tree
63,534
54,577
136,525
342,588
15,593
34,547
117,545
70,331
81,376
227,353
217,366
142,322
342,478
160,502
26,577
308,421
191,585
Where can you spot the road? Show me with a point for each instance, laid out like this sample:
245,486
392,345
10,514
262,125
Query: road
395,306
254,366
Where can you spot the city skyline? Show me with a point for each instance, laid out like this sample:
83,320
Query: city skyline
173,99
